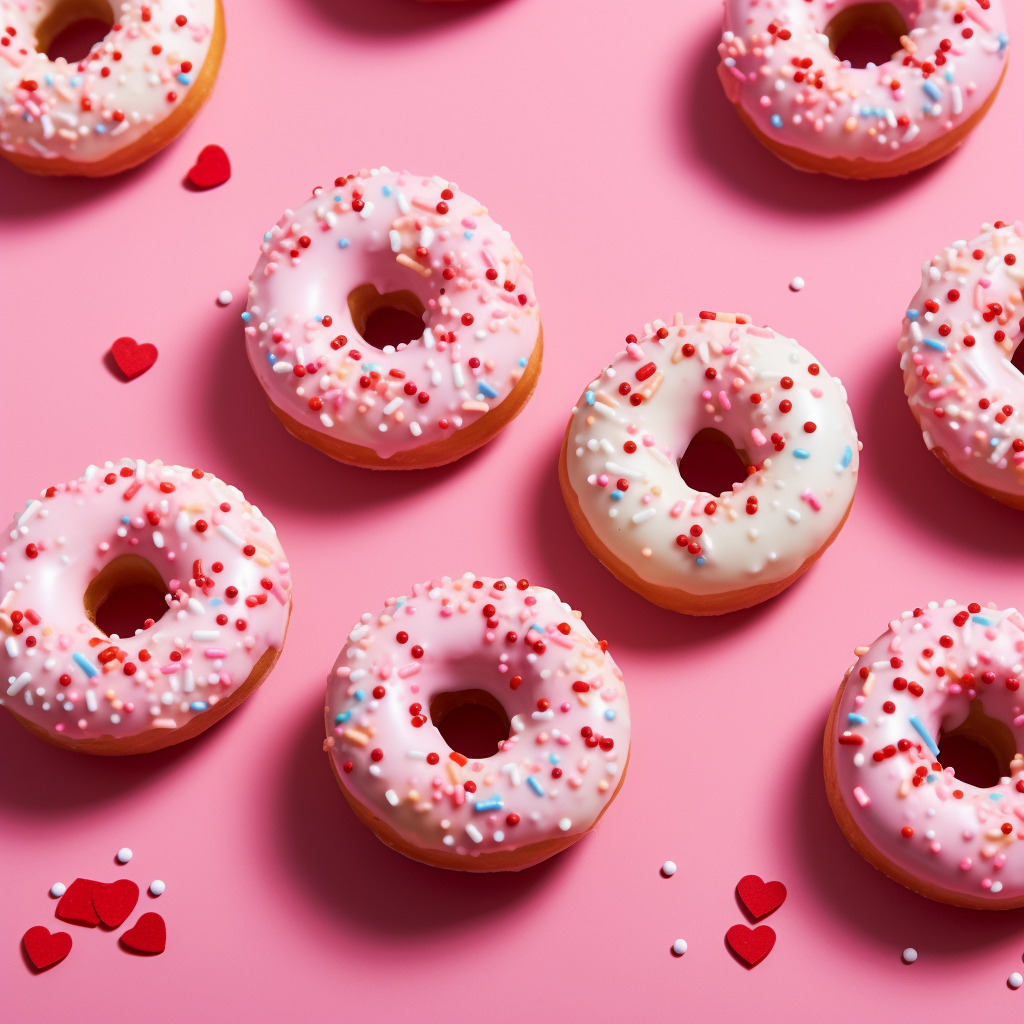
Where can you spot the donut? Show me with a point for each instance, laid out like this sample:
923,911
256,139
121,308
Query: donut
549,748
392,323
173,558
722,379
134,93
958,339
818,113
940,677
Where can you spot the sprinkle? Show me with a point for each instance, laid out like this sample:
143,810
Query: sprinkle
796,284
225,298
801,453
1015,980
909,955
81,661
679,947
776,121
474,833
668,869
487,389
564,824
532,782
937,345
124,855
157,887
57,890
391,797
925,735
494,803
932,89
861,797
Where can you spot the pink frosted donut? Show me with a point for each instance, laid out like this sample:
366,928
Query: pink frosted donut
178,561
958,337
512,654
944,676
131,96
392,323
819,113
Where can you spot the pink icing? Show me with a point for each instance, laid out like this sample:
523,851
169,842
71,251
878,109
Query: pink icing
393,230
929,666
857,113
54,109
55,663
958,336
548,773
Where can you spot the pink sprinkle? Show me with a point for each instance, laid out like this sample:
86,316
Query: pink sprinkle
758,437
861,797
216,652
723,400
965,864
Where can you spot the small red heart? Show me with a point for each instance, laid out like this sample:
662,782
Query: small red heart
760,898
211,169
44,949
76,904
751,945
115,902
132,358
150,935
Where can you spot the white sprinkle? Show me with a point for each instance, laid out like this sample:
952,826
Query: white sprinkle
225,298
90,700
668,869
396,240
474,833
158,539
1015,980
796,284
909,955
392,797
124,855
564,824
679,947
59,888
205,634
647,513
282,366
793,515
229,535
156,887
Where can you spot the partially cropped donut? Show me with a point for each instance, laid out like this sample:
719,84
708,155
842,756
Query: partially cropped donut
690,551
134,93
946,674
821,114
417,250
959,335
204,564
513,651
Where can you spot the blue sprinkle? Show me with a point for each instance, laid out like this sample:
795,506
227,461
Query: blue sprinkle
1004,41
701,559
522,360
912,314
343,243
467,235
493,803
535,785
75,81
930,777
125,520
487,389
48,78
856,719
801,453
776,121
589,397
847,457
925,735
81,661
271,358
386,189
318,319
932,89
536,627
617,495
342,716
268,235
995,796
982,620
199,705
337,199
185,80
100,129
359,694
609,713
948,76
554,758
214,601
939,346
247,316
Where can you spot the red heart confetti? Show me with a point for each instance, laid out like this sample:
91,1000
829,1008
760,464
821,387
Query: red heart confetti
132,358
211,169
759,897
76,904
44,949
751,944
115,902
150,935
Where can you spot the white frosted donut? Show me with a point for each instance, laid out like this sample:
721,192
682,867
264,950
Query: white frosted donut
938,674
787,418
819,113
958,337
172,531
128,98
381,241
516,649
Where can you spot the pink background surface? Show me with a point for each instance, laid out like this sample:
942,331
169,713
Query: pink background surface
597,133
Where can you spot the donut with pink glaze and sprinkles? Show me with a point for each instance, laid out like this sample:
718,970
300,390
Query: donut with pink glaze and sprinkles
959,336
819,113
558,746
194,577
131,95
940,676
392,322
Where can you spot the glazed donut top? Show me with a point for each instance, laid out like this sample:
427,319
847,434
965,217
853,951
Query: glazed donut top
561,690
784,414
229,594
397,232
917,679
956,345
136,76
777,64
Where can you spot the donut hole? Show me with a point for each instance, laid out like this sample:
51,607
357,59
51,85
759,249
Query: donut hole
126,595
867,34
73,28
712,463
979,750
389,320
1017,359
471,722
